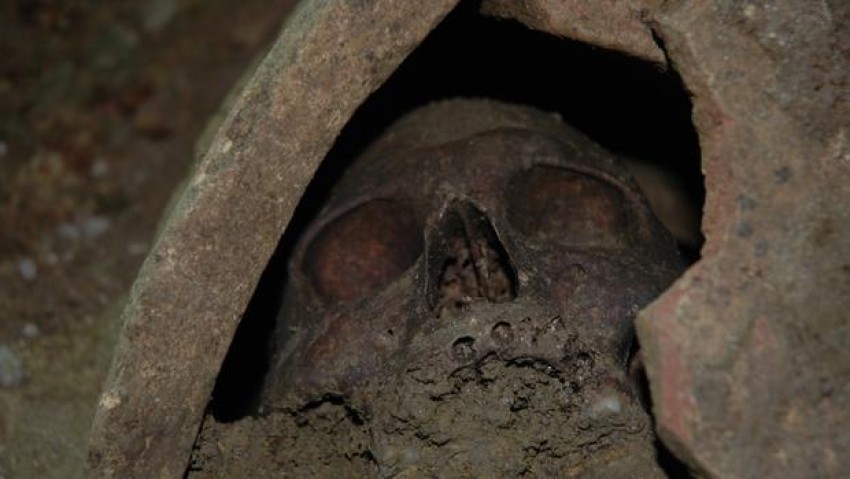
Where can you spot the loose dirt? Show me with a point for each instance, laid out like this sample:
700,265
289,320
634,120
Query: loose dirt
101,104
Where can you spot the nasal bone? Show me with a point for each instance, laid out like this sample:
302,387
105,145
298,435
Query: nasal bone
468,260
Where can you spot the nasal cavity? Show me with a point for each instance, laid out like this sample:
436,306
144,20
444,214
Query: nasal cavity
467,262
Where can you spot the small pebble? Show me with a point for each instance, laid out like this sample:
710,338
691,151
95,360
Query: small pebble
69,231
51,258
30,330
95,226
11,370
27,269
606,405
158,14
4,149
99,168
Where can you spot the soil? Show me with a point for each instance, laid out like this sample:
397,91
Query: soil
101,106
496,417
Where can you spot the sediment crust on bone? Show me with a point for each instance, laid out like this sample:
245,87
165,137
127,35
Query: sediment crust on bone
519,417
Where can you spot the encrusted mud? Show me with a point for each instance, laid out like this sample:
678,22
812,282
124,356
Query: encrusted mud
496,417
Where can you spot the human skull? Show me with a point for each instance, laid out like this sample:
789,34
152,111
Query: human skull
463,306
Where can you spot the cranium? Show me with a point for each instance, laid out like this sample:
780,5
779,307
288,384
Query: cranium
463,306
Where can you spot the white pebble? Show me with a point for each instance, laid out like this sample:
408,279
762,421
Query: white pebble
99,168
158,14
51,258
27,269
11,370
30,330
608,405
69,231
95,226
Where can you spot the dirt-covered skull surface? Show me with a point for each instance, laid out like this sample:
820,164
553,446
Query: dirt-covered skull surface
462,307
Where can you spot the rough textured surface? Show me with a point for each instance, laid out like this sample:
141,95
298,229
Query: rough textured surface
227,223
49,417
520,368
98,119
747,354
493,418
615,24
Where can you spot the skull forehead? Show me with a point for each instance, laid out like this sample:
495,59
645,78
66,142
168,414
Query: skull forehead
452,120
469,147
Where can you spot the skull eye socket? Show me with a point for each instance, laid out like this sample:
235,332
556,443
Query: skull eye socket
363,250
570,208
